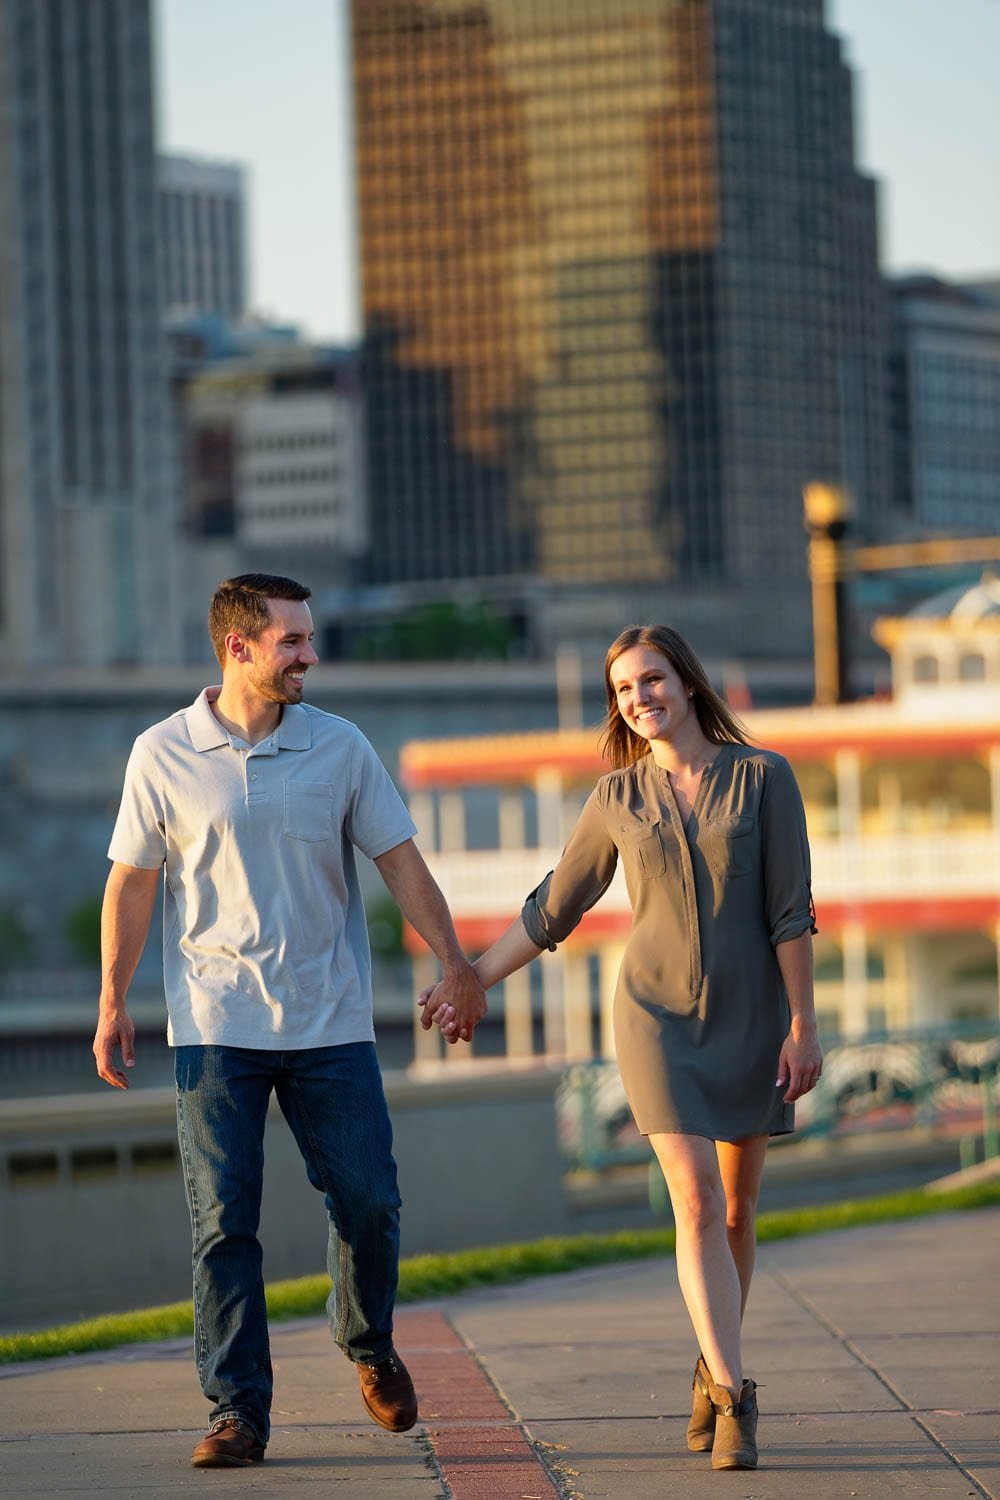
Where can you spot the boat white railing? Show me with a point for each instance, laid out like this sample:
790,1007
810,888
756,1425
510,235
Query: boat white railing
494,882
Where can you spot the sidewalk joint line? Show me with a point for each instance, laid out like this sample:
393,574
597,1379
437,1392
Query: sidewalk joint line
857,1354
942,1447
845,1342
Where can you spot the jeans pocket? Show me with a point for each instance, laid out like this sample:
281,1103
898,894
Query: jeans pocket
308,811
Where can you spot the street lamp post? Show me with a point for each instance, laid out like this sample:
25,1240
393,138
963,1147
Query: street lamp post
826,512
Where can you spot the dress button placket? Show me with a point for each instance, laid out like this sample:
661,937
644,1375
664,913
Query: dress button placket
688,891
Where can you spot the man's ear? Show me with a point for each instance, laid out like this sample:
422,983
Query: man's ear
236,647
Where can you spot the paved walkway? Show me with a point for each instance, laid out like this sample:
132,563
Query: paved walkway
877,1352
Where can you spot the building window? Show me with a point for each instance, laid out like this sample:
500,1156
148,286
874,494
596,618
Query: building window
972,667
926,669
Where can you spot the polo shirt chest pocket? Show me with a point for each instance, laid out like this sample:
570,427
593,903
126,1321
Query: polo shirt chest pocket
728,845
308,811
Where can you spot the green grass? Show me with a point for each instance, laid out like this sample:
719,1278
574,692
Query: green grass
424,1276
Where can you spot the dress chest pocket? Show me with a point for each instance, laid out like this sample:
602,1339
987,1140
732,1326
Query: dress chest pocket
308,811
645,843
729,846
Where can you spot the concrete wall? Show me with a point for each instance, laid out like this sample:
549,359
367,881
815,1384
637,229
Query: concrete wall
93,1217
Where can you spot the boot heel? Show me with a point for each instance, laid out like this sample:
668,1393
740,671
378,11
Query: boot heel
701,1428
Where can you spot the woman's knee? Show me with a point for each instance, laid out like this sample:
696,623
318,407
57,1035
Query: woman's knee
741,1215
699,1205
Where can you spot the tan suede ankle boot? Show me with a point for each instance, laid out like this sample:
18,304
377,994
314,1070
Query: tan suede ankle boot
735,1445
701,1428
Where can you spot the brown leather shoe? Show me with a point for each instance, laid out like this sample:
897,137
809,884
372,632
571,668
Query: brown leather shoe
230,1444
387,1391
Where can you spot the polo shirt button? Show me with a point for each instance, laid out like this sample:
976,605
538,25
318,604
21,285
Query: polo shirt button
254,776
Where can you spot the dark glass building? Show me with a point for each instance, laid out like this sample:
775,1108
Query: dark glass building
621,293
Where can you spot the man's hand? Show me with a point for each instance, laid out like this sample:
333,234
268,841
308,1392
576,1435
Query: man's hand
114,1029
415,892
800,1063
456,1004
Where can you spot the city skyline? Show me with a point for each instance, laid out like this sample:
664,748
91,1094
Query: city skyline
287,113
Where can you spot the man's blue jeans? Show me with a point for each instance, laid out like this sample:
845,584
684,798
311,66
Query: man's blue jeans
332,1097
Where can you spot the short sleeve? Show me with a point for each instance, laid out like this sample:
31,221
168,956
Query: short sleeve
377,819
788,900
578,881
139,837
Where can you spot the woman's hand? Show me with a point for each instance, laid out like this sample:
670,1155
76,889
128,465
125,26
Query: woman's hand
800,1062
437,1010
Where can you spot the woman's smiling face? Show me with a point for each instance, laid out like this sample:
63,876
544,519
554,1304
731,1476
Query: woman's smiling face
651,697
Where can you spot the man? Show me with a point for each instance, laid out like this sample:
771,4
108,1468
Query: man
252,804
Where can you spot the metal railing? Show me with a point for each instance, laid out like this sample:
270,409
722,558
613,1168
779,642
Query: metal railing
933,1077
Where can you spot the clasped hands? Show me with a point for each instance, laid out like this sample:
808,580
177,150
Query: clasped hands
456,1004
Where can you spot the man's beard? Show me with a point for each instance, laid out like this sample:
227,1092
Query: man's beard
276,687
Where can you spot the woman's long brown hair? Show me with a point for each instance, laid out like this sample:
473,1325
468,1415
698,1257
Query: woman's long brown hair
719,724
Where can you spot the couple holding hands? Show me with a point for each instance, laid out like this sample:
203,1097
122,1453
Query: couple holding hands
250,805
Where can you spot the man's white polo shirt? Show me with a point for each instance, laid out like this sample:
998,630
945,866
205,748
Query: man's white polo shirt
264,936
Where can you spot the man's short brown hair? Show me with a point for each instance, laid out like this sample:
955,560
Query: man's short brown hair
240,604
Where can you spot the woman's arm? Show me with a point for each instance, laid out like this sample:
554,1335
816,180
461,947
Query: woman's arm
801,1061
511,951
550,913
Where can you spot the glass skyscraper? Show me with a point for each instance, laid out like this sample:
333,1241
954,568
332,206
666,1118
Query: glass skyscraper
87,511
202,212
621,293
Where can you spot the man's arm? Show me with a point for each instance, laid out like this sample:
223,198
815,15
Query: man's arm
419,898
125,916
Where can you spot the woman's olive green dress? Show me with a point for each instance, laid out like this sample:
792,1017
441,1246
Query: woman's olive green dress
700,1009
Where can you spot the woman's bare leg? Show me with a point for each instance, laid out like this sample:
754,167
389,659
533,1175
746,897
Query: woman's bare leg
741,1167
706,1268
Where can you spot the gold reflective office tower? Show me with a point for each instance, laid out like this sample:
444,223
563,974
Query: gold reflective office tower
620,287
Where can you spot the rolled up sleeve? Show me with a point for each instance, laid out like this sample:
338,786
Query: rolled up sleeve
788,899
579,880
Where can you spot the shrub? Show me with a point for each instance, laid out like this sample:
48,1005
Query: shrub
83,929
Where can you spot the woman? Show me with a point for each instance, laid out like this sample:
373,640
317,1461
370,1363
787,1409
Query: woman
715,1027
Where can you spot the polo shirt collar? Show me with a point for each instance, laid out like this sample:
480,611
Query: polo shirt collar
204,728
293,733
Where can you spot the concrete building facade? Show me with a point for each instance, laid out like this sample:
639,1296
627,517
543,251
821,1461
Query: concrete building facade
300,472
273,460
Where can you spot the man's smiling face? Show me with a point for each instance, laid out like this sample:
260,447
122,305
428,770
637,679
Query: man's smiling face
283,653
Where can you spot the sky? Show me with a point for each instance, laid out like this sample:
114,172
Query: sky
267,83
